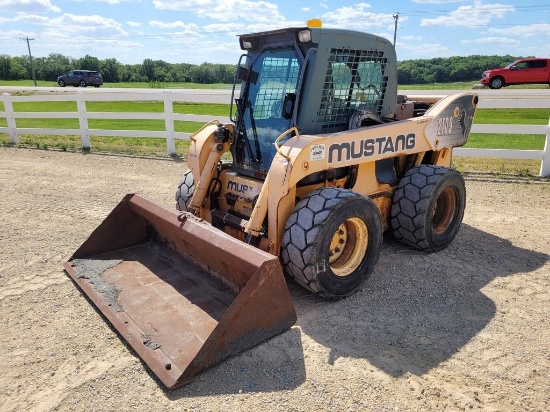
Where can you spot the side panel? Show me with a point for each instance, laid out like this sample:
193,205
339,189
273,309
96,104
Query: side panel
447,124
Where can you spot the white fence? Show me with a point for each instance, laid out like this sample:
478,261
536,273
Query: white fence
170,117
83,115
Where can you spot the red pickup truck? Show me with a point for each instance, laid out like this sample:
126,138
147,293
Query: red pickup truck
525,71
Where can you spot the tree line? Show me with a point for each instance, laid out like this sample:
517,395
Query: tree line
449,69
419,71
50,67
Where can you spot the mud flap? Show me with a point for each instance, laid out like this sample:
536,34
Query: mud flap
182,293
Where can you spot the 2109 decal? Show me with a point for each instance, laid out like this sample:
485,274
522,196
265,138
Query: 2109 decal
445,125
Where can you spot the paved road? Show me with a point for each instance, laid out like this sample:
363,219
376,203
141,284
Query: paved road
502,98
192,95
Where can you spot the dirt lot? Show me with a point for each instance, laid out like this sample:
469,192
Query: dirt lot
463,329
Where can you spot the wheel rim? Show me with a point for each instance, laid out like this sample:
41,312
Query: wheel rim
444,211
348,246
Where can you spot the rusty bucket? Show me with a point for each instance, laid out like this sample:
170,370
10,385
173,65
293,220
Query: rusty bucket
183,294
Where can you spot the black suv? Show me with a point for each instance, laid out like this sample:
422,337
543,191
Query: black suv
80,78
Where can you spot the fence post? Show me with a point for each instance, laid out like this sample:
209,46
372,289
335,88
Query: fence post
10,119
82,120
169,123
545,162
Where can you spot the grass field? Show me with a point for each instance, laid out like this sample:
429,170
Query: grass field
157,147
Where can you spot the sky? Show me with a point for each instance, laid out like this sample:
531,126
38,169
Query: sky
198,31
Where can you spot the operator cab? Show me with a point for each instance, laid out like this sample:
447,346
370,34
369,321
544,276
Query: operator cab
311,78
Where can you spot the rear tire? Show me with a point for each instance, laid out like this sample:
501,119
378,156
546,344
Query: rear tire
82,83
332,241
184,192
428,207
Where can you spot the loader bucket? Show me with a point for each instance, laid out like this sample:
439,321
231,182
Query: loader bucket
183,294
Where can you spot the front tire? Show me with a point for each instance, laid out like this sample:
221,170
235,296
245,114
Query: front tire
184,192
332,241
428,207
61,83
496,82
82,83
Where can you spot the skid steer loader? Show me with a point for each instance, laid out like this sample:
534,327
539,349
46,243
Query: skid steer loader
320,157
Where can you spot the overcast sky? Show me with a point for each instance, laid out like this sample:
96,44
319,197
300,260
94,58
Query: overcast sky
197,31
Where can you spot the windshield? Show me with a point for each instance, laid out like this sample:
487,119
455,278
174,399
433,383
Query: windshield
511,64
273,75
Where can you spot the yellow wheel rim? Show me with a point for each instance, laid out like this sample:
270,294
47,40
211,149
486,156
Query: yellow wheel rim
348,247
444,211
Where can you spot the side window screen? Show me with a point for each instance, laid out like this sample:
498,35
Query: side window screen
354,80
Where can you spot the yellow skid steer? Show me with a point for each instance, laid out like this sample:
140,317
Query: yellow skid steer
320,157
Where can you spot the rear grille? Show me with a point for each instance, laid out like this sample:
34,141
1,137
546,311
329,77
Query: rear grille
355,79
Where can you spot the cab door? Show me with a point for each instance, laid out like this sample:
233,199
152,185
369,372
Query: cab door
70,79
529,71
519,73
539,71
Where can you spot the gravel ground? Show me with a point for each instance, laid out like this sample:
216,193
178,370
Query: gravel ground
463,329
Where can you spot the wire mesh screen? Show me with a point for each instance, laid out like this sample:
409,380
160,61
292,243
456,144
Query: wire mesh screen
354,80
279,75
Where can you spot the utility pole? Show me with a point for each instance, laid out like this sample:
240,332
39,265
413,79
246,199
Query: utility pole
30,57
396,18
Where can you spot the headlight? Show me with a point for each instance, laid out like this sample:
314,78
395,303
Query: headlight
304,36
246,45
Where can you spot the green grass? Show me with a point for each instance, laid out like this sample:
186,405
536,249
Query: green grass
128,106
506,141
512,116
518,167
509,141
109,124
123,145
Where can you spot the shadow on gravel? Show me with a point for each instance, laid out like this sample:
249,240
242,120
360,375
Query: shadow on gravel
275,365
417,309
